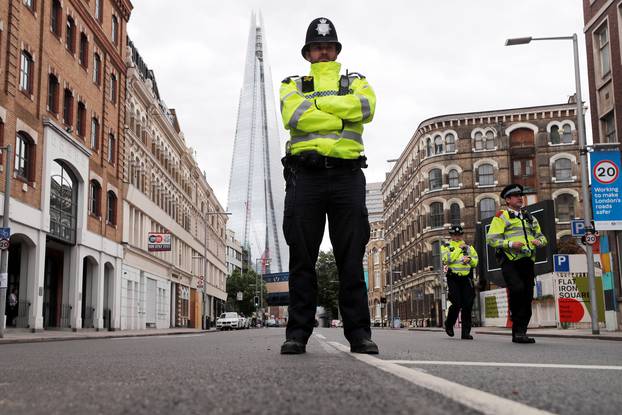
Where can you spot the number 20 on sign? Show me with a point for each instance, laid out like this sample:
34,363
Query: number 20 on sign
606,171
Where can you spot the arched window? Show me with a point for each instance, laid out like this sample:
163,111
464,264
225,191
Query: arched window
429,147
97,69
55,18
479,141
81,119
95,198
113,88
438,145
490,140
563,169
24,156
564,207
487,208
450,143
436,215
68,107
94,133
566,134
83,54
63,203
485,175
453,178
111,148
435,178
70,35
26,72
53,90
454,214
111,208
115,30
554,135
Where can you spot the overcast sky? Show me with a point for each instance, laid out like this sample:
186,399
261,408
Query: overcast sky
423,59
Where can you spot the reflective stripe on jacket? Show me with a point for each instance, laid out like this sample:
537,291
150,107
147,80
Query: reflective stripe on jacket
323,121
452,254
506,228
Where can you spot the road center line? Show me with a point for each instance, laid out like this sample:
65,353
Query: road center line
481,401
503,364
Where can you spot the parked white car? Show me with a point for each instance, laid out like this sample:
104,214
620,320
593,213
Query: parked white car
229,321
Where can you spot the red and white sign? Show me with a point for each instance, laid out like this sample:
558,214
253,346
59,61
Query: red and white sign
606,171
158,242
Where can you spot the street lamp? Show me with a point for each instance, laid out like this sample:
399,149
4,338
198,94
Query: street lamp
587,208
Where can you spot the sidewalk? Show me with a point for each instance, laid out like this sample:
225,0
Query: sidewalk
26,336
540,332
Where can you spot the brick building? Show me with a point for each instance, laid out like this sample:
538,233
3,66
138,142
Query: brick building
61,108
452,172
603,22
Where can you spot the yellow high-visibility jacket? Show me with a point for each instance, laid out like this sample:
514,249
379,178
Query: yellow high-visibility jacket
321,120
506,228
452,253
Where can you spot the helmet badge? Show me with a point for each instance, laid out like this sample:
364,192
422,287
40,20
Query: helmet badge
323,28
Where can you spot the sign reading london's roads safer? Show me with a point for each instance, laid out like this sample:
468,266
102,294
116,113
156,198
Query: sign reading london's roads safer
606,187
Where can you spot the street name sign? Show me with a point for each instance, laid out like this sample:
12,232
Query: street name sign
606,189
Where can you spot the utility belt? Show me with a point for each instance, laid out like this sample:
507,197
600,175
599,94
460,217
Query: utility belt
315,161
452,274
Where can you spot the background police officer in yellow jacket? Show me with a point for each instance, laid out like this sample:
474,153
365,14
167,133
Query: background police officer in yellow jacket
324,113
516,234
460,259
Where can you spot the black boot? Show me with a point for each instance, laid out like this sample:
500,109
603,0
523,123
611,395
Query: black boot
466,335
363,345
449,330
293,346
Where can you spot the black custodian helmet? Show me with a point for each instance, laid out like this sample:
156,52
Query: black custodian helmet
320,30
456,230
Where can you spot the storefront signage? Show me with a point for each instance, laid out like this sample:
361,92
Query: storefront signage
158,242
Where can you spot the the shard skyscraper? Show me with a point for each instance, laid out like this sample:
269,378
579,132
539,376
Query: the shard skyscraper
256,184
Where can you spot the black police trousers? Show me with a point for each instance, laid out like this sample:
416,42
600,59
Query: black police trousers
461,294
520,278
311,196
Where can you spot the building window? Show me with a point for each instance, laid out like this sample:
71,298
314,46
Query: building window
609,128
30,4
97,69
115,30
70,35
436,255
94,133
68,107
111,208
563,169
113,88
450,143
436,179
83,56
489,140
81,119
554,135
55,18
63,204
566,134
438,145
479,141
429,147
26,72
98,10
453,178
436,215
485,175
377,279
564,207
95,198
111,148
487,208
454,214
602,36
24,152
53,88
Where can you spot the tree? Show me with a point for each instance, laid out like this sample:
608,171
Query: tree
244,282
328,282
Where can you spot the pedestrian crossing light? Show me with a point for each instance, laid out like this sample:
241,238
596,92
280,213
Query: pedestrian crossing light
256,301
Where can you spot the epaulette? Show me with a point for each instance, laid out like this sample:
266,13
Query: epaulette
499,213
289,78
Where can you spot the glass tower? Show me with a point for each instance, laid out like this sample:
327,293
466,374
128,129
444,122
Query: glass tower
256,185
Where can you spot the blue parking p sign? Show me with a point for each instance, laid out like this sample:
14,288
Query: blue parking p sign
578,227
5,233
561,263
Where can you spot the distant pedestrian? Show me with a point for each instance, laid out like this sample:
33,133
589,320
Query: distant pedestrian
460,260
12,312
324,113
516,235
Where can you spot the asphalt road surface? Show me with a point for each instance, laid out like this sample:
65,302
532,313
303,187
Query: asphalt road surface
243,372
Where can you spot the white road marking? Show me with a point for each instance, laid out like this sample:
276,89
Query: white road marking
481,401
164,336
503,364
327,348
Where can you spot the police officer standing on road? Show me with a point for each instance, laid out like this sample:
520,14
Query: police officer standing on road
516,234
324,113
460,259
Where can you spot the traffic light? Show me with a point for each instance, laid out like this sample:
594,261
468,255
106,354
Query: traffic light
256,301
